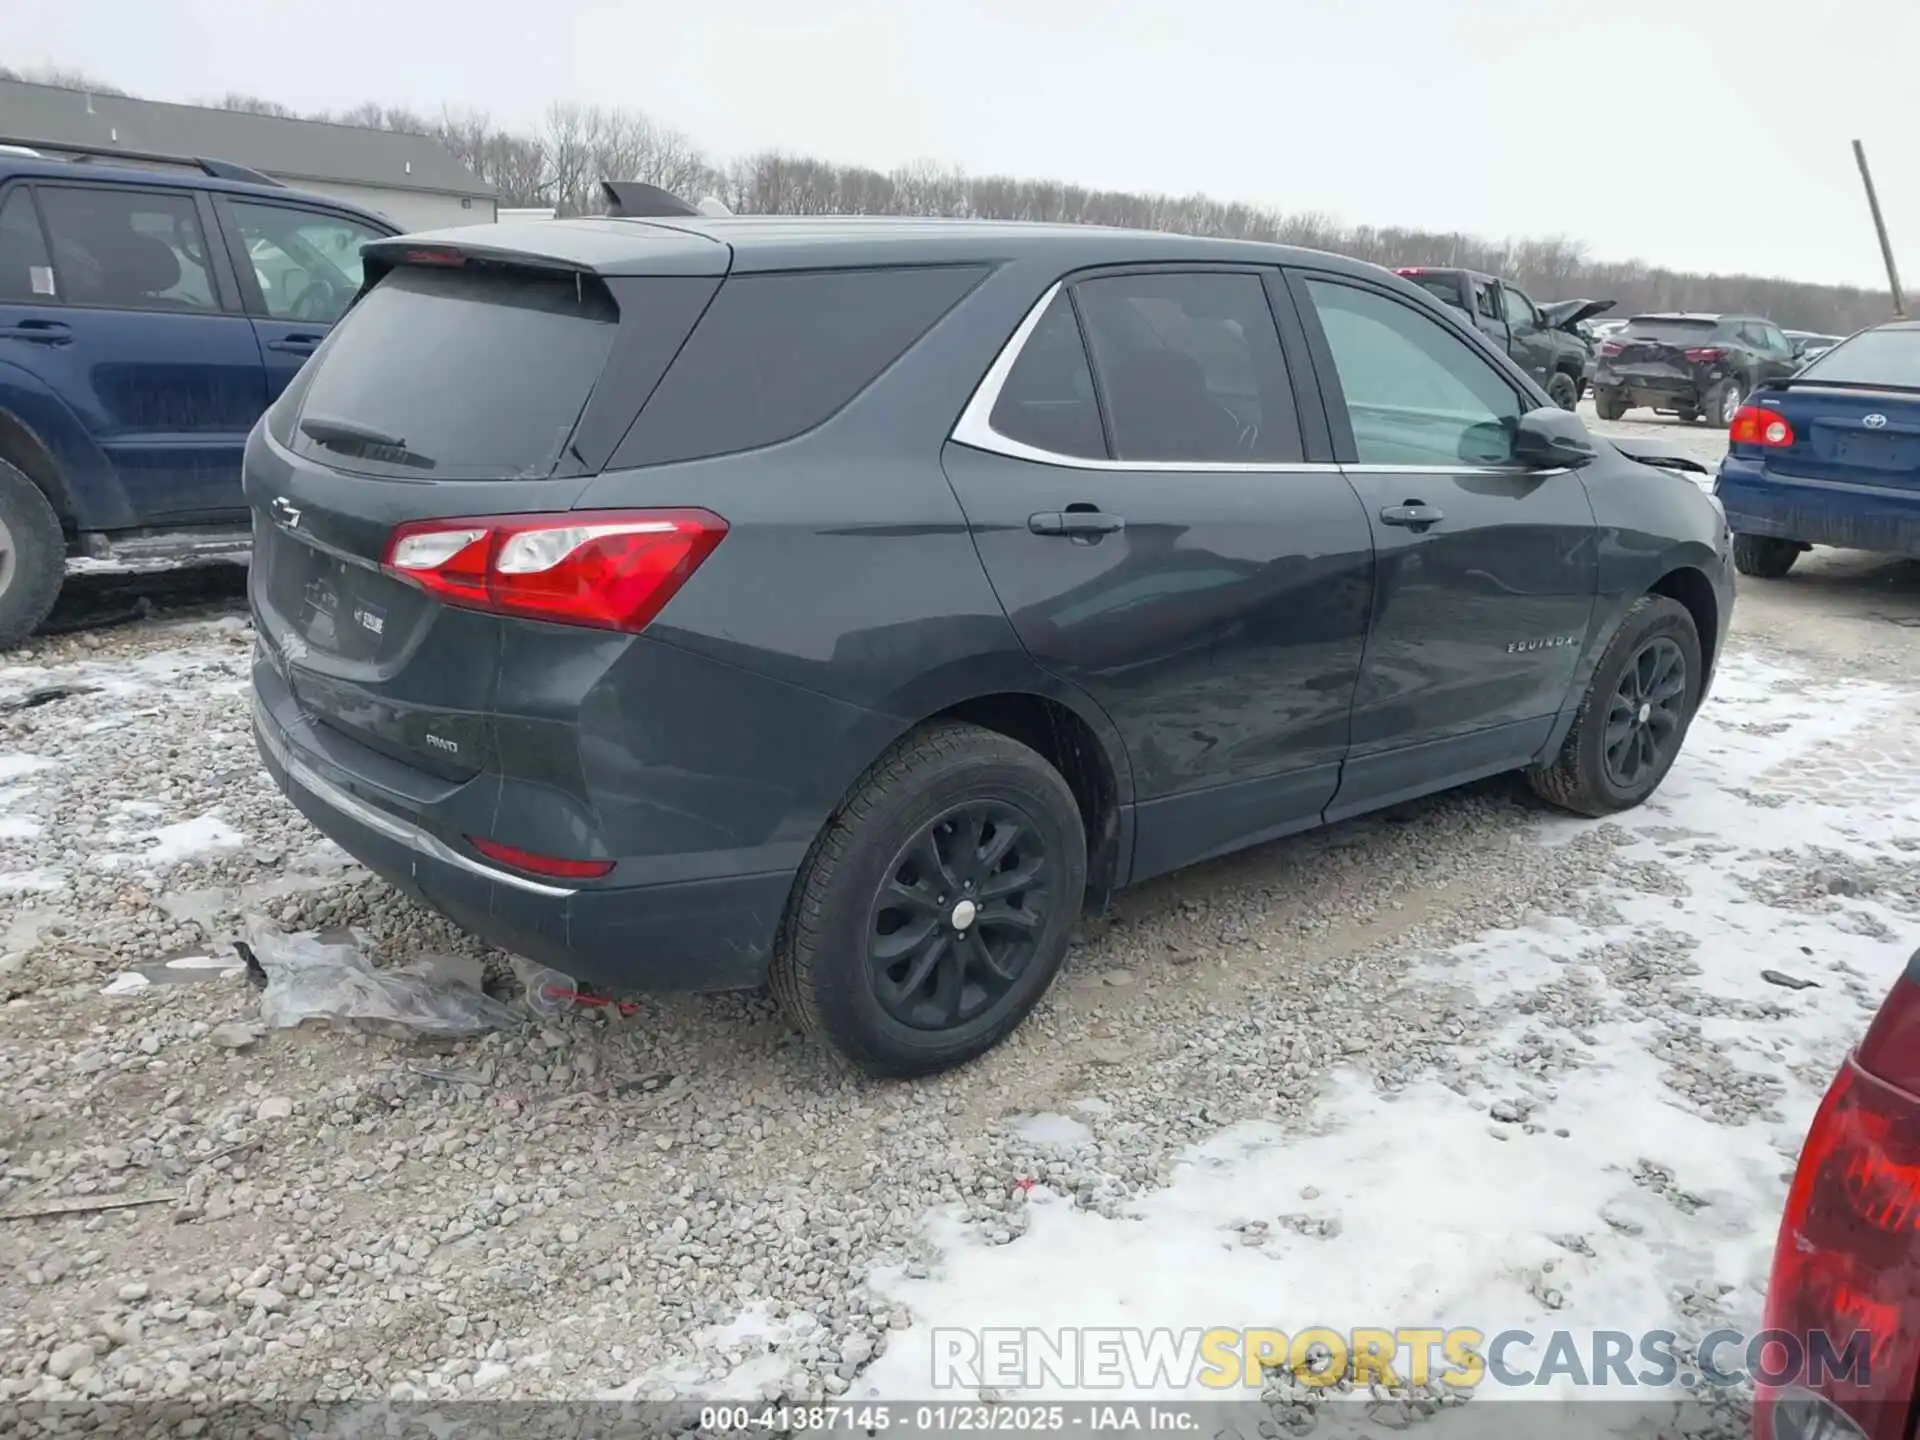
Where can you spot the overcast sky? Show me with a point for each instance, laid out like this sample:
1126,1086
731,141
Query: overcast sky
1700,134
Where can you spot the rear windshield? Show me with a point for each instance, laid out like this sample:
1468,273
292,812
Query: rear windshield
1873,357
1672,332
457,374
1446,289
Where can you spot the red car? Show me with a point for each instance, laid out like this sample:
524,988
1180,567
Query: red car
1843,1304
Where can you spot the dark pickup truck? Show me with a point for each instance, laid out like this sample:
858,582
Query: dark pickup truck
1544,340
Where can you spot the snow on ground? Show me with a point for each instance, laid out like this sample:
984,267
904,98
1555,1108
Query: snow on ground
1623,1157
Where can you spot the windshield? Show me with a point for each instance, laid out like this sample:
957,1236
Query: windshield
1873,357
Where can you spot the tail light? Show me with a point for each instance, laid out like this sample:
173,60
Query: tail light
421,256
1757,425
1610,347
613,570
551,866
1706,354
1409,270
1846,1267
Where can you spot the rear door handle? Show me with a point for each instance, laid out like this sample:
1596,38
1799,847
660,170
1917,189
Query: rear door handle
1413,514
38,332
1075,522
295,344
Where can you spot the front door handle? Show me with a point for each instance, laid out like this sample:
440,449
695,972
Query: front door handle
295,344
38,332
1075,522
1413,515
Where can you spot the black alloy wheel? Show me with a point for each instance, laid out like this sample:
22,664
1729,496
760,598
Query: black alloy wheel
935,907
958,916
1633,715
1646,714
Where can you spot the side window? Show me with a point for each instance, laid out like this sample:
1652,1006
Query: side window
777,354
1776,341
307,262
1485,301
1190,368
26,273
127,249
1415,394
1048,401
1520,312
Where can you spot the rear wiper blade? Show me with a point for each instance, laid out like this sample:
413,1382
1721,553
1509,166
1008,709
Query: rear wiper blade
349,438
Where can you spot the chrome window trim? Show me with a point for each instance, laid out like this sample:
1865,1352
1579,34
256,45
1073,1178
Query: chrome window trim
975,426
975,430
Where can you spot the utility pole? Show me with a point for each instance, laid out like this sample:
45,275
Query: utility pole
1880,228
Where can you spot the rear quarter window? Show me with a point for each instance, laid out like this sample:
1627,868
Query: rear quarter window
777,354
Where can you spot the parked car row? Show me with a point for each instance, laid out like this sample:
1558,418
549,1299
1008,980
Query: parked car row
1546,341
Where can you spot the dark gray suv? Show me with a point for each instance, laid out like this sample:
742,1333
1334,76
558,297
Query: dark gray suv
847,605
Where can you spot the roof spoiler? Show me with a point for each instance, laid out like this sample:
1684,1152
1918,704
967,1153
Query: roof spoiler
637,200
84,154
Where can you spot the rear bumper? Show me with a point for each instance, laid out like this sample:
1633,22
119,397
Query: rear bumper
1658,392
1819,512
709,934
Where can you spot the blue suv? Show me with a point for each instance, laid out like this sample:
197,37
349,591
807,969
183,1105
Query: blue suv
147,317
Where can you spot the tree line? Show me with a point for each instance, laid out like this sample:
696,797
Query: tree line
561,161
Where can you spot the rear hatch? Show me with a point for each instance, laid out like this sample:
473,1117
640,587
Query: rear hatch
1852,417
464,382
1663,349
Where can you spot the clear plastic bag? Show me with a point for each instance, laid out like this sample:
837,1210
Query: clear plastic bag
545,992
310,978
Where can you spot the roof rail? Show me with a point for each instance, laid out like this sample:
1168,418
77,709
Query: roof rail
86,154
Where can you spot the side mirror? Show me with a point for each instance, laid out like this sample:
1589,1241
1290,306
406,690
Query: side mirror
1552,439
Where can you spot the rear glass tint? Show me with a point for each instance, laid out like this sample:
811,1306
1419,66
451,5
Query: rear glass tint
776,355
1444,290
1673,332
1873,357
457,375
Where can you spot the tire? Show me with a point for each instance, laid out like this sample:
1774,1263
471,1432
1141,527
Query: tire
1656,633
1609,404
1563,390
924,790
33,557
1763,556
1719,405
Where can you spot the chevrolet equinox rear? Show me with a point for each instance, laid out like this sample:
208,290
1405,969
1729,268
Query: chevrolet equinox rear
843,605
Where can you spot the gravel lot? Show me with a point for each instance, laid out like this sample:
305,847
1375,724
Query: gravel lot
589,1204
